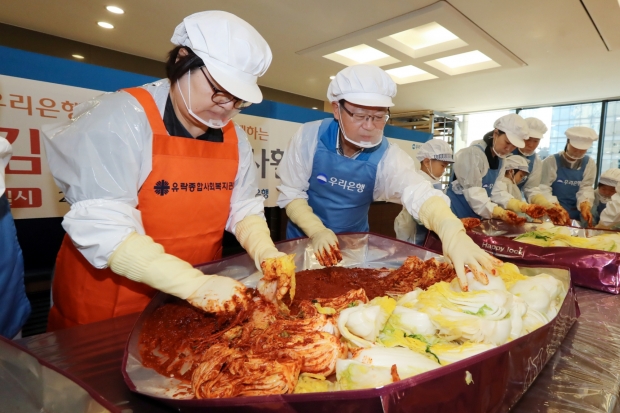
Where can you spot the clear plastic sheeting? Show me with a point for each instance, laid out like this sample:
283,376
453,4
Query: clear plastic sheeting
29,385
584,374
500,376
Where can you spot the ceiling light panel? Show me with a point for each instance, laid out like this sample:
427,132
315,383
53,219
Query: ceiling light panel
361,54
463,63
409,74
424,40
105,25
115,10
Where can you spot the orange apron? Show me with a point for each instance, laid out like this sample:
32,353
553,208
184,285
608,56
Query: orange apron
184,202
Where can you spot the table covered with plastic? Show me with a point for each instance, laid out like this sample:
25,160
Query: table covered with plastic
596,269
581,376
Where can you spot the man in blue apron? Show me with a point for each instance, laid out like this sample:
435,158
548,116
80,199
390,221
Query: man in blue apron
568,176
606,207
473,191
434,155
334,169
14,305
530,186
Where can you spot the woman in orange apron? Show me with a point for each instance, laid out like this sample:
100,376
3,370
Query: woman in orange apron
154,176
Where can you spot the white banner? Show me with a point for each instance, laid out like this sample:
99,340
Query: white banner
26,104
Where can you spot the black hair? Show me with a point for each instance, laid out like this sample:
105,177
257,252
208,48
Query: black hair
175,69
488,137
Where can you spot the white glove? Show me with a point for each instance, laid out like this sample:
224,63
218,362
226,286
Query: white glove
436,215
324,241
140,259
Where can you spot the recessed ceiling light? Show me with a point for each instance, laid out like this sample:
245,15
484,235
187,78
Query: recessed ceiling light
314,107
361,54
333,77
409,74
424,40
463,63
115,10
464,59
78,56
105,25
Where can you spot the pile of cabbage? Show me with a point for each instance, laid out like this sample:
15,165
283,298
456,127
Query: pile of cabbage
546,235
392,338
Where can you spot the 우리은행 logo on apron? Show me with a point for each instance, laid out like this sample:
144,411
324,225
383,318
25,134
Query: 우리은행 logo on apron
162,187
322,178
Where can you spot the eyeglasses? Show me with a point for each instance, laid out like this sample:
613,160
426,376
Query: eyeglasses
361,117
220,97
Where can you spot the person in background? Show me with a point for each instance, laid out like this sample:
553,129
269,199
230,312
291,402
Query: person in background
568,176
14,305
154,176
606,206
516,171
434,155
531,185
477,168
335,168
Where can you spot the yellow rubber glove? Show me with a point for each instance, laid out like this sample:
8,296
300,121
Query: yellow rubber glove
539,199
435,214
507,216
516,205
140,259
586,212
324,241
533,210
253,234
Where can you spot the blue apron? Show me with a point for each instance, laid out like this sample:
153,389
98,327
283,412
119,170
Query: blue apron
566,186
14,305
530,167
459,204
341,189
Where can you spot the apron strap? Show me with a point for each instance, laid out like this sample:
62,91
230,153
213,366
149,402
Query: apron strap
150,109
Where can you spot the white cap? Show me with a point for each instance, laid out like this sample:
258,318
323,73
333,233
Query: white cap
364,85
610,177
235,54
516,162
581,137
515,128
537,127
435,149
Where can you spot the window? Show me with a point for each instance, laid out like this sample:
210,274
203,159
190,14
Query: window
611,138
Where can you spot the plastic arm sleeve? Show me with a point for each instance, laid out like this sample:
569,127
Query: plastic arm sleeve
253,235
140,259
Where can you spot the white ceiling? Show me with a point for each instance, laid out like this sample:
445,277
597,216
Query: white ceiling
566,60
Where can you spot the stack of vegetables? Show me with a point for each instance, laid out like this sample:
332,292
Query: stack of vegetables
392,338
546,235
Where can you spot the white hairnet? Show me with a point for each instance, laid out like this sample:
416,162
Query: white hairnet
516,162
581,137
610,177
515,129
537,127
234,53
364,85
435,149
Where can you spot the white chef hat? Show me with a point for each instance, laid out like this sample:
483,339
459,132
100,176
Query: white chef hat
537,127
610,177
235,54
364,85
516,162
581,137
515,128
435,149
